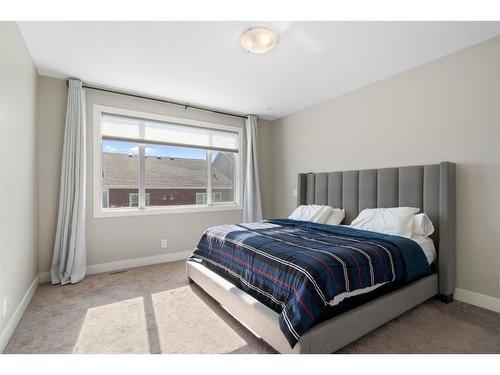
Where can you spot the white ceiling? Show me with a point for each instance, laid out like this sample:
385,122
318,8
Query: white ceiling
203,63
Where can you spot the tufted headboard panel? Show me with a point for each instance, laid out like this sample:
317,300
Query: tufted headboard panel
429,187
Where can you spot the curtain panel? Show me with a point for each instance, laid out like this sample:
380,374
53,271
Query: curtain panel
69,257
252,208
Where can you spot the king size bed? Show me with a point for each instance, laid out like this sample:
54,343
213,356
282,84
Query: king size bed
305,287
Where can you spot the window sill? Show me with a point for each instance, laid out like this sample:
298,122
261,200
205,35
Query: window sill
119,212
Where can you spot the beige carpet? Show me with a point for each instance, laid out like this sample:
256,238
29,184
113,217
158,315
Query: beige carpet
154,310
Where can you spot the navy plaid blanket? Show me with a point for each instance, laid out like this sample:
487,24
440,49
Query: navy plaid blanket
299,269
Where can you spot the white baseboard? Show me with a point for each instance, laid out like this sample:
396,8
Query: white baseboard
6,334
136,262
129,263
478,299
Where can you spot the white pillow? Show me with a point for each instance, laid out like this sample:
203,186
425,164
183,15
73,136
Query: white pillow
312,212
394,220
422,226
336,217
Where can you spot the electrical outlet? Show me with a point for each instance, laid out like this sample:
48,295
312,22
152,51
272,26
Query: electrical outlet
4,307
294,192
164,243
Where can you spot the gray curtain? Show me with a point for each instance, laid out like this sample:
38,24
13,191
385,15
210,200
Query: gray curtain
68,261
252,209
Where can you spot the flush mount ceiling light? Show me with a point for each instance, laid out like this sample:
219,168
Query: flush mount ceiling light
258,39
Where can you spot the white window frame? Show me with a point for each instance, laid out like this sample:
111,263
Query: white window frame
106,203
99,211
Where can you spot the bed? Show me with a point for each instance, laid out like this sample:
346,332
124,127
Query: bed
324,316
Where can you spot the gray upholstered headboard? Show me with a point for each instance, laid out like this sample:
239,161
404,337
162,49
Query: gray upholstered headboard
430,188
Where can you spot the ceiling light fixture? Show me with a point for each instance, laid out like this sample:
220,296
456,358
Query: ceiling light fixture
258,39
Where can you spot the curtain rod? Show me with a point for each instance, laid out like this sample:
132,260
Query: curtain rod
186,106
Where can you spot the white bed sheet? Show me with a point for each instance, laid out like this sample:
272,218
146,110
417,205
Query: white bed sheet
427,246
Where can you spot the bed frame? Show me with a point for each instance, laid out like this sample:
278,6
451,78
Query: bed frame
430,188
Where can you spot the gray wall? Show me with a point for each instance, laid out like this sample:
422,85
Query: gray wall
448,109
18,187
266,165
117,238
52,99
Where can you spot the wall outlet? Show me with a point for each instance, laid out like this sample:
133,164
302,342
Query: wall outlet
294,192
164,243
4,307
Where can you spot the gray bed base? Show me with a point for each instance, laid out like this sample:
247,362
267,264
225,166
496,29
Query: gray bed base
430,188
326,337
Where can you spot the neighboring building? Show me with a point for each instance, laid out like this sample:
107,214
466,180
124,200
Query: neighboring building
169,181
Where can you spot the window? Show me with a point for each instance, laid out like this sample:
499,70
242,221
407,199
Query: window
146,163
201,198
133,199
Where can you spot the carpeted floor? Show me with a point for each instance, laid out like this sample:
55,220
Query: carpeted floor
153,310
